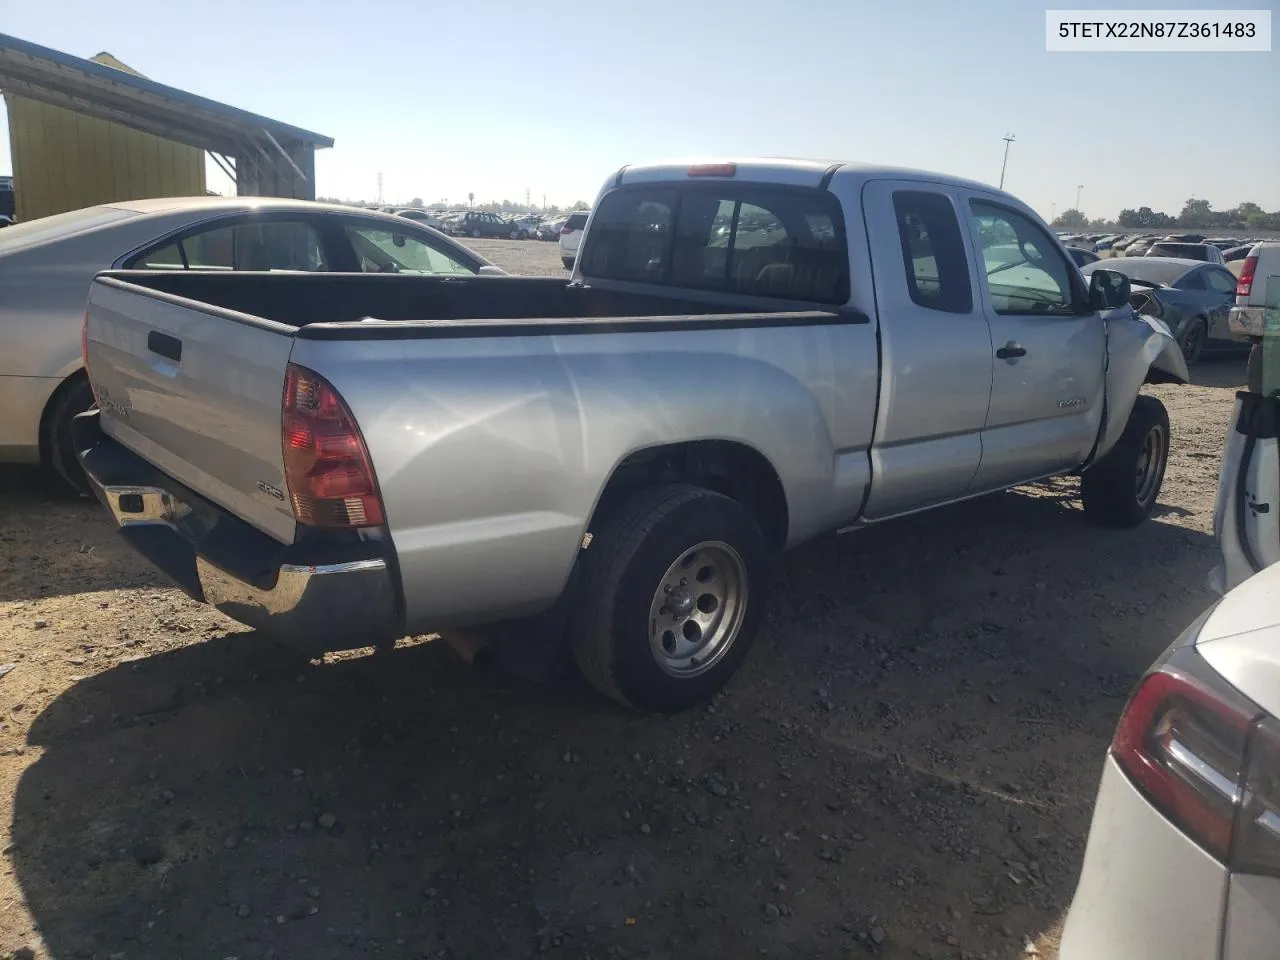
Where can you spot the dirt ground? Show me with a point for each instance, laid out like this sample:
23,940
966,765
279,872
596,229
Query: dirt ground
905,767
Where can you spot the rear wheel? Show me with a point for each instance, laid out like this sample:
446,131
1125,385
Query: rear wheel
514,235
1193,340
671,597
73,398
1120,490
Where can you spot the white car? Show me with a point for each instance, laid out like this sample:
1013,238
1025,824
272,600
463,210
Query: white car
571,236
1183,859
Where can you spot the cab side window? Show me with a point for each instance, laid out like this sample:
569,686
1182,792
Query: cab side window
933,251
1026,274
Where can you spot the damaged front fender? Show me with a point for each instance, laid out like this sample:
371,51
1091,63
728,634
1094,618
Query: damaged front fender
1140,350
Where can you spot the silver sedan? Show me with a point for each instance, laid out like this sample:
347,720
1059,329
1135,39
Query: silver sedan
46,267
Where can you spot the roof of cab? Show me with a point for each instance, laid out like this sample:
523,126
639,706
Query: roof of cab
788,170
155,205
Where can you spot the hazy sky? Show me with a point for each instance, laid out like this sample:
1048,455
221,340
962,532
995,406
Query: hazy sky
496,96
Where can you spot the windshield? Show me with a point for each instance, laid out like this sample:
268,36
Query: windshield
22,236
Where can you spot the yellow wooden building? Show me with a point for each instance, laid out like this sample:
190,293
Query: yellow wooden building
64,160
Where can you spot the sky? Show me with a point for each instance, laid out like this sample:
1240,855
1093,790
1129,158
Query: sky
496,97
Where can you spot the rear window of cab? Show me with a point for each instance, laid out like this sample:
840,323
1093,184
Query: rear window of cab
782,242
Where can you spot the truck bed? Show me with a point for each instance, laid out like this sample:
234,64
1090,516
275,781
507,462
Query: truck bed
419,306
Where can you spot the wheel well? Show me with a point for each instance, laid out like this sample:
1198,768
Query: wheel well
51,404
732,469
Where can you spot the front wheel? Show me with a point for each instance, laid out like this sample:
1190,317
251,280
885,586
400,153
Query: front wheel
671,597
1120,490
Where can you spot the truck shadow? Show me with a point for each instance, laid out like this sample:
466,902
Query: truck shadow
916,740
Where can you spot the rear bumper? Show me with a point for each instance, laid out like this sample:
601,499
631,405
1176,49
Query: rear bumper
315,594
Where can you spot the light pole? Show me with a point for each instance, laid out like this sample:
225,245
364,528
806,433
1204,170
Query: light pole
1079,187
1053,211
1007,140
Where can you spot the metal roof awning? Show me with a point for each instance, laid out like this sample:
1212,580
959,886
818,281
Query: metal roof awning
276,152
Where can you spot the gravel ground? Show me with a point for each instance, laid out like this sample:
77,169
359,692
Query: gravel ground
904,768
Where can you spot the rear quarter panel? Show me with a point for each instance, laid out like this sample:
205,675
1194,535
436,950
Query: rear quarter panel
492,453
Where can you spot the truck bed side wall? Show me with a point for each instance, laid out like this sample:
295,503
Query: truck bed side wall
491,453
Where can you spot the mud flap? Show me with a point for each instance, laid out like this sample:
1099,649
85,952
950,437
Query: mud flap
1246,518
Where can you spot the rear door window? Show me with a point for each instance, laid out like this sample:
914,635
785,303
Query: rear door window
933,251
766,241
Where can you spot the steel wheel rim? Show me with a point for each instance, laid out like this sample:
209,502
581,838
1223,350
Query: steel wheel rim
1149,460
698,609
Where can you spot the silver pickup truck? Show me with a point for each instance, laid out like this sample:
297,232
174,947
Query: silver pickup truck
747,355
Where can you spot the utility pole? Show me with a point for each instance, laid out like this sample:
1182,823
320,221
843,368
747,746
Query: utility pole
379,189
1053,211
1008,139
1079,187
544,201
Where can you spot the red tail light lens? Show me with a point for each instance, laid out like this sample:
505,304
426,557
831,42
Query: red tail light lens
327,467
1183,744
1244,285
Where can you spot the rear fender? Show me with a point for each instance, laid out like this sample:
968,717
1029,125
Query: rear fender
1140,350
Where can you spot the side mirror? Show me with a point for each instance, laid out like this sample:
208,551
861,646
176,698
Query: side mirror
1108,290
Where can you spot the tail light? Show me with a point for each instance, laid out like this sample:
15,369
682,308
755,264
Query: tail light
1244,285
326,463
1257,840
1194,747
713,170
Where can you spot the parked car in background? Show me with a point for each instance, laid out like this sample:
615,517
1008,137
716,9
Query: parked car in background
1183,856
550,229
528,226
1205,252
477,223
420,216
1256,313
1231,254
1223,243
1192,298
1184,238
1081,257
1134,246
571,236
1078,241
878,342
8,205
46,266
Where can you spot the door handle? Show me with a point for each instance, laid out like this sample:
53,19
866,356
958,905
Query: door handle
1011,350
166,346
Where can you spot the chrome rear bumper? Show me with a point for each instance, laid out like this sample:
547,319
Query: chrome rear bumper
345,599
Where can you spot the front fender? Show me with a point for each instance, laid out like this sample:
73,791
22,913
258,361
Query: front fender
1139,348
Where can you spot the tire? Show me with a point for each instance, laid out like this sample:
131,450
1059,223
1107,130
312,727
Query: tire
1193,340
1120,490
616,628
1253,369
514,235
475,234
568,262
74,397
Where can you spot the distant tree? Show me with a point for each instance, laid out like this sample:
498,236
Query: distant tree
582,205
1196,213
1246,210
1071,220
1144,217
416,202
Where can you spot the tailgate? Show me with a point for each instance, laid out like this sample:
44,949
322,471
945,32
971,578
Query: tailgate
197,391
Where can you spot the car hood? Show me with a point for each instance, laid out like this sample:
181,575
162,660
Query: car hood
1241,638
